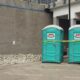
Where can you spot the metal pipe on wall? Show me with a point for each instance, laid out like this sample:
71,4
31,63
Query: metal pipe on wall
69,12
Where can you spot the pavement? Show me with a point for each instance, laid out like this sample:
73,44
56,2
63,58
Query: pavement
40,71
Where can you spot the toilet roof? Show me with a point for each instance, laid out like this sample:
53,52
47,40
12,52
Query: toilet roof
75,26
53,26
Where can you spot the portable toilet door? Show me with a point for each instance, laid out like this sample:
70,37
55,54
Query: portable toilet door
52,49
74,47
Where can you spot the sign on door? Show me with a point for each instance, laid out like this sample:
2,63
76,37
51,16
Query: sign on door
50,35
77,36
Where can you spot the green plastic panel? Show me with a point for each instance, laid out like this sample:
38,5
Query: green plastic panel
52,51
74,47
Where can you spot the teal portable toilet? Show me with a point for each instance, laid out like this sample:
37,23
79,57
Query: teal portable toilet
74,46
52,48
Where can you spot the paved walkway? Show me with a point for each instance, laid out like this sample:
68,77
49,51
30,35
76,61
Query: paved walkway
39,71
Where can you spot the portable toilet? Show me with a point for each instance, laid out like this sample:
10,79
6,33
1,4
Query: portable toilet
52,47
74,46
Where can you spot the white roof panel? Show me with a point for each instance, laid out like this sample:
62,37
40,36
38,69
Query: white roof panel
75,26
53,26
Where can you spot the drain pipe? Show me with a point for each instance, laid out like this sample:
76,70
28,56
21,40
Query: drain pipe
69,13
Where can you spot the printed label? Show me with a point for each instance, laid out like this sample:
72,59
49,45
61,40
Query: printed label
77,36
50,35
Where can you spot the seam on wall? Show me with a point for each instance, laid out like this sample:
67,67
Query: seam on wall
31,9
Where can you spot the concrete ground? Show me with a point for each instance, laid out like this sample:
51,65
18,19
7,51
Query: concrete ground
39,71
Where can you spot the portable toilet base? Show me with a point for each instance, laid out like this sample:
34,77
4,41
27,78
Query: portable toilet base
52,50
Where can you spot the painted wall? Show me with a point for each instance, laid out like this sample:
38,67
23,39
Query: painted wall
75,8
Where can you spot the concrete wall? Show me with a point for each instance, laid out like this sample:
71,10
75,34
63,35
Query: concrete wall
20,34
